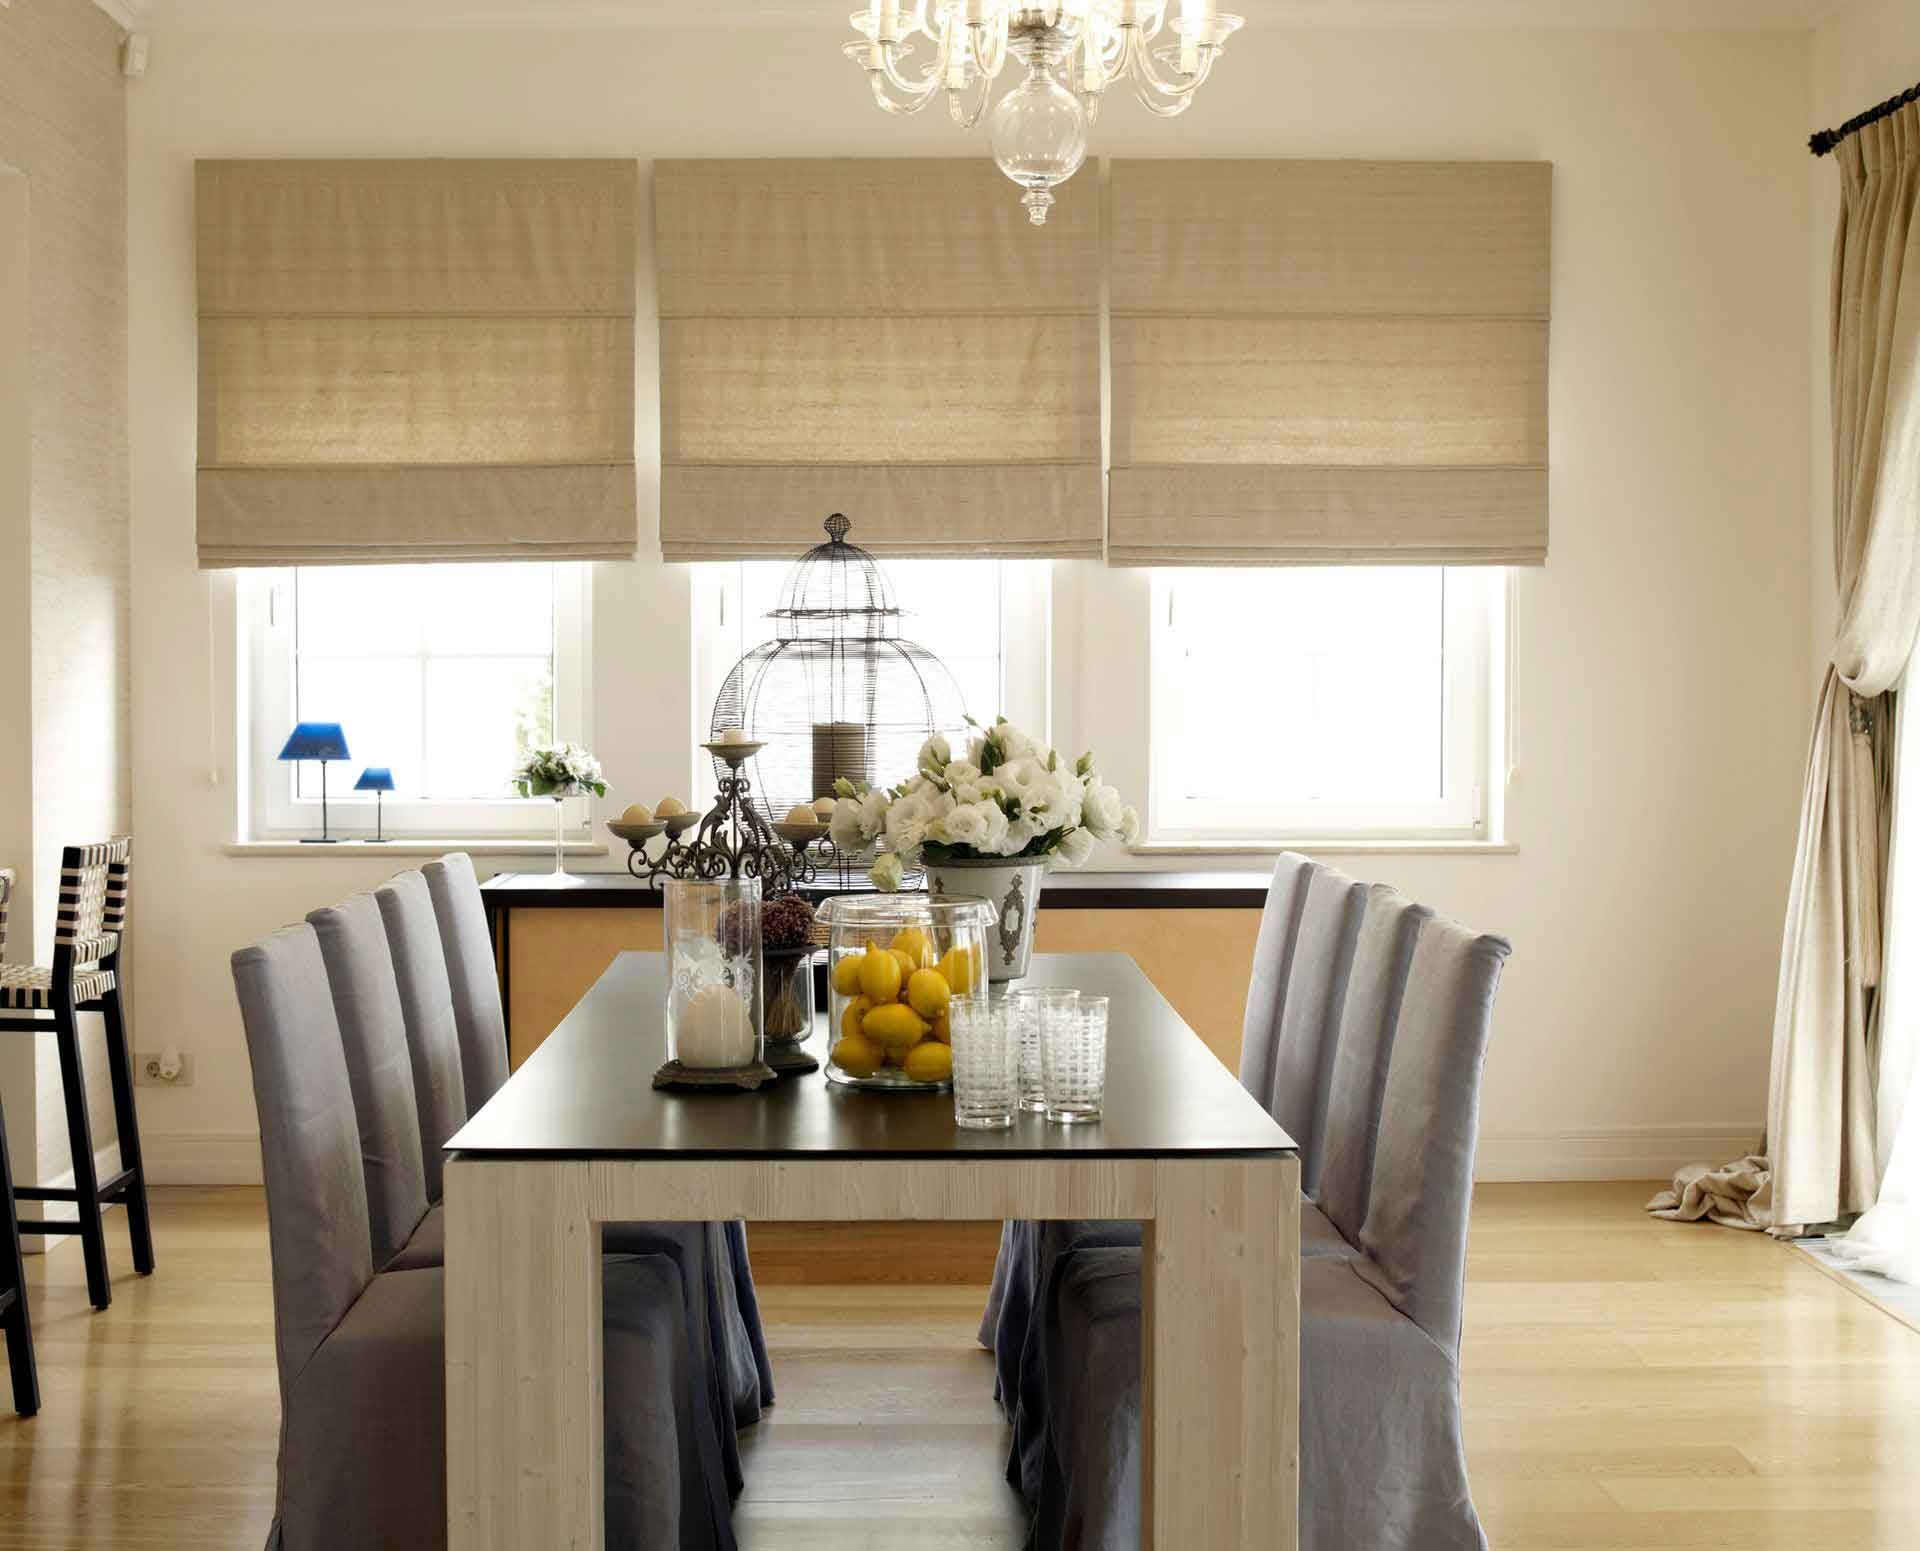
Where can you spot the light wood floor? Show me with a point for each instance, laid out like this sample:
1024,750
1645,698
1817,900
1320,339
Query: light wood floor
1629,1384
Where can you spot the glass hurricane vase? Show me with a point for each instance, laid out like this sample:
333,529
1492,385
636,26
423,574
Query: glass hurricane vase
714,974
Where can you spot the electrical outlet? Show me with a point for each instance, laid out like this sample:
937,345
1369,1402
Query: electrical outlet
146,1070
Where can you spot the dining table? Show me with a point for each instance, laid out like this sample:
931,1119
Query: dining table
579,1137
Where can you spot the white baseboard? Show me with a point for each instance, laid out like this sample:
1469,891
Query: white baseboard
201,1157
1635,1152
1638,1152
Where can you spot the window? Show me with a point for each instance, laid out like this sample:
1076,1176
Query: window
985,619
445,674
1325,703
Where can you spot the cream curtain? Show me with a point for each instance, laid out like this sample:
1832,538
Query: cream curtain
886,338
1821,1110
1329,362
416,360
1887,1238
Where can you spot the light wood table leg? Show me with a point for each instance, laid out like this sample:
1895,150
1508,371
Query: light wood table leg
525,1414
1220,1398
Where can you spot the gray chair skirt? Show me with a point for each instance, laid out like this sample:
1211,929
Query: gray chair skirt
725,1389
382,1482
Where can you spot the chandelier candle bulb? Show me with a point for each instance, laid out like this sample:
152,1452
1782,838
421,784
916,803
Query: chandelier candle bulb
1193,27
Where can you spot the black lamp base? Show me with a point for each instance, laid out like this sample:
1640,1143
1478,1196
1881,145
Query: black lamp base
318,840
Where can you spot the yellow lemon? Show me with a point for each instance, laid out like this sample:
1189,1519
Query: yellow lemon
916,945
846,975
895,1025
928,992
960,969
930,1061
880,976
942,1029
857,1055
907,965
857,1010
898,1056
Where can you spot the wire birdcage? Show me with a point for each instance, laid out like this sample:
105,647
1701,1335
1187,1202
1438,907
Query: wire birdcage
837,693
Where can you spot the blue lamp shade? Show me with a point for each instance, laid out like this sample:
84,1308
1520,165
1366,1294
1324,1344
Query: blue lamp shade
315,740
375,778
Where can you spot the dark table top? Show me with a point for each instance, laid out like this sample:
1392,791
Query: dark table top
1062,891
587,1091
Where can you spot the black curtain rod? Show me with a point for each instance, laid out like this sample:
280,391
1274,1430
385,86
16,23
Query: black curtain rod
1827,139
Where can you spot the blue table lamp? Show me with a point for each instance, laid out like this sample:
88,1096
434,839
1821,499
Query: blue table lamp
376,779
322,741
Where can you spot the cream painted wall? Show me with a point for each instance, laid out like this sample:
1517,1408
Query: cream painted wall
63,125
16,620
1659,728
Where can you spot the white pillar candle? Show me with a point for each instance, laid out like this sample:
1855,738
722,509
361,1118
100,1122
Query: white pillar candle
715,1030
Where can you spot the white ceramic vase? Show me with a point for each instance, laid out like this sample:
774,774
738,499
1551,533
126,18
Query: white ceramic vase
1013,889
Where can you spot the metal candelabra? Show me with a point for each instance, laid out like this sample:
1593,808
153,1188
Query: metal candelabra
733,840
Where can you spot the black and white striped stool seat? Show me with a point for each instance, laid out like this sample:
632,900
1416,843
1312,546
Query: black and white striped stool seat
30,988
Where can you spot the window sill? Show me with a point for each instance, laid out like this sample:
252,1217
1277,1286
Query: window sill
411,845
1157,850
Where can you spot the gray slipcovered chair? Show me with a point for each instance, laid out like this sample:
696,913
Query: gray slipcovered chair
481,1024
1332,1217
373,1033
479,1021
1303,958
426,1006
699,1250
360,1352
1382,1462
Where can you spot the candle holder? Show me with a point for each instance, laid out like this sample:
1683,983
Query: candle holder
734,838
716,1034
714,880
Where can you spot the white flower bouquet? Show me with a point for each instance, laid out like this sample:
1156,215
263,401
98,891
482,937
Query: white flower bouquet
559,770
1008,799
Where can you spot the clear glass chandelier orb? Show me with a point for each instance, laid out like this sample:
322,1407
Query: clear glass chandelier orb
1072,51
1039,135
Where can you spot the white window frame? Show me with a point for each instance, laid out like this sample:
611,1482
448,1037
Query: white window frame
274,812
1026,656
1474,675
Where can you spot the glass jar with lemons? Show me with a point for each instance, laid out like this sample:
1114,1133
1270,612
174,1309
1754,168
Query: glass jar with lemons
896,963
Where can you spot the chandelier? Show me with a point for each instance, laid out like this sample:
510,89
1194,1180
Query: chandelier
1072,51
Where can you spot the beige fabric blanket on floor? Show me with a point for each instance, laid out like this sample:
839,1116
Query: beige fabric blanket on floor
1736,1195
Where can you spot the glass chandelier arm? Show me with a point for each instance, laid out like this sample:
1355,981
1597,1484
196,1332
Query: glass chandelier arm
915,91
883,95
989,43
966,114
1160,107
1097,62
1150,84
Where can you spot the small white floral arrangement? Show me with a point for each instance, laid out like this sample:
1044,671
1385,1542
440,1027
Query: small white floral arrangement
559,770
1008,798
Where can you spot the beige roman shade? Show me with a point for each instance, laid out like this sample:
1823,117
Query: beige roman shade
416,360
1329,362
889,338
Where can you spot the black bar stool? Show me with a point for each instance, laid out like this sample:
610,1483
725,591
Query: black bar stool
85,978
13,1271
